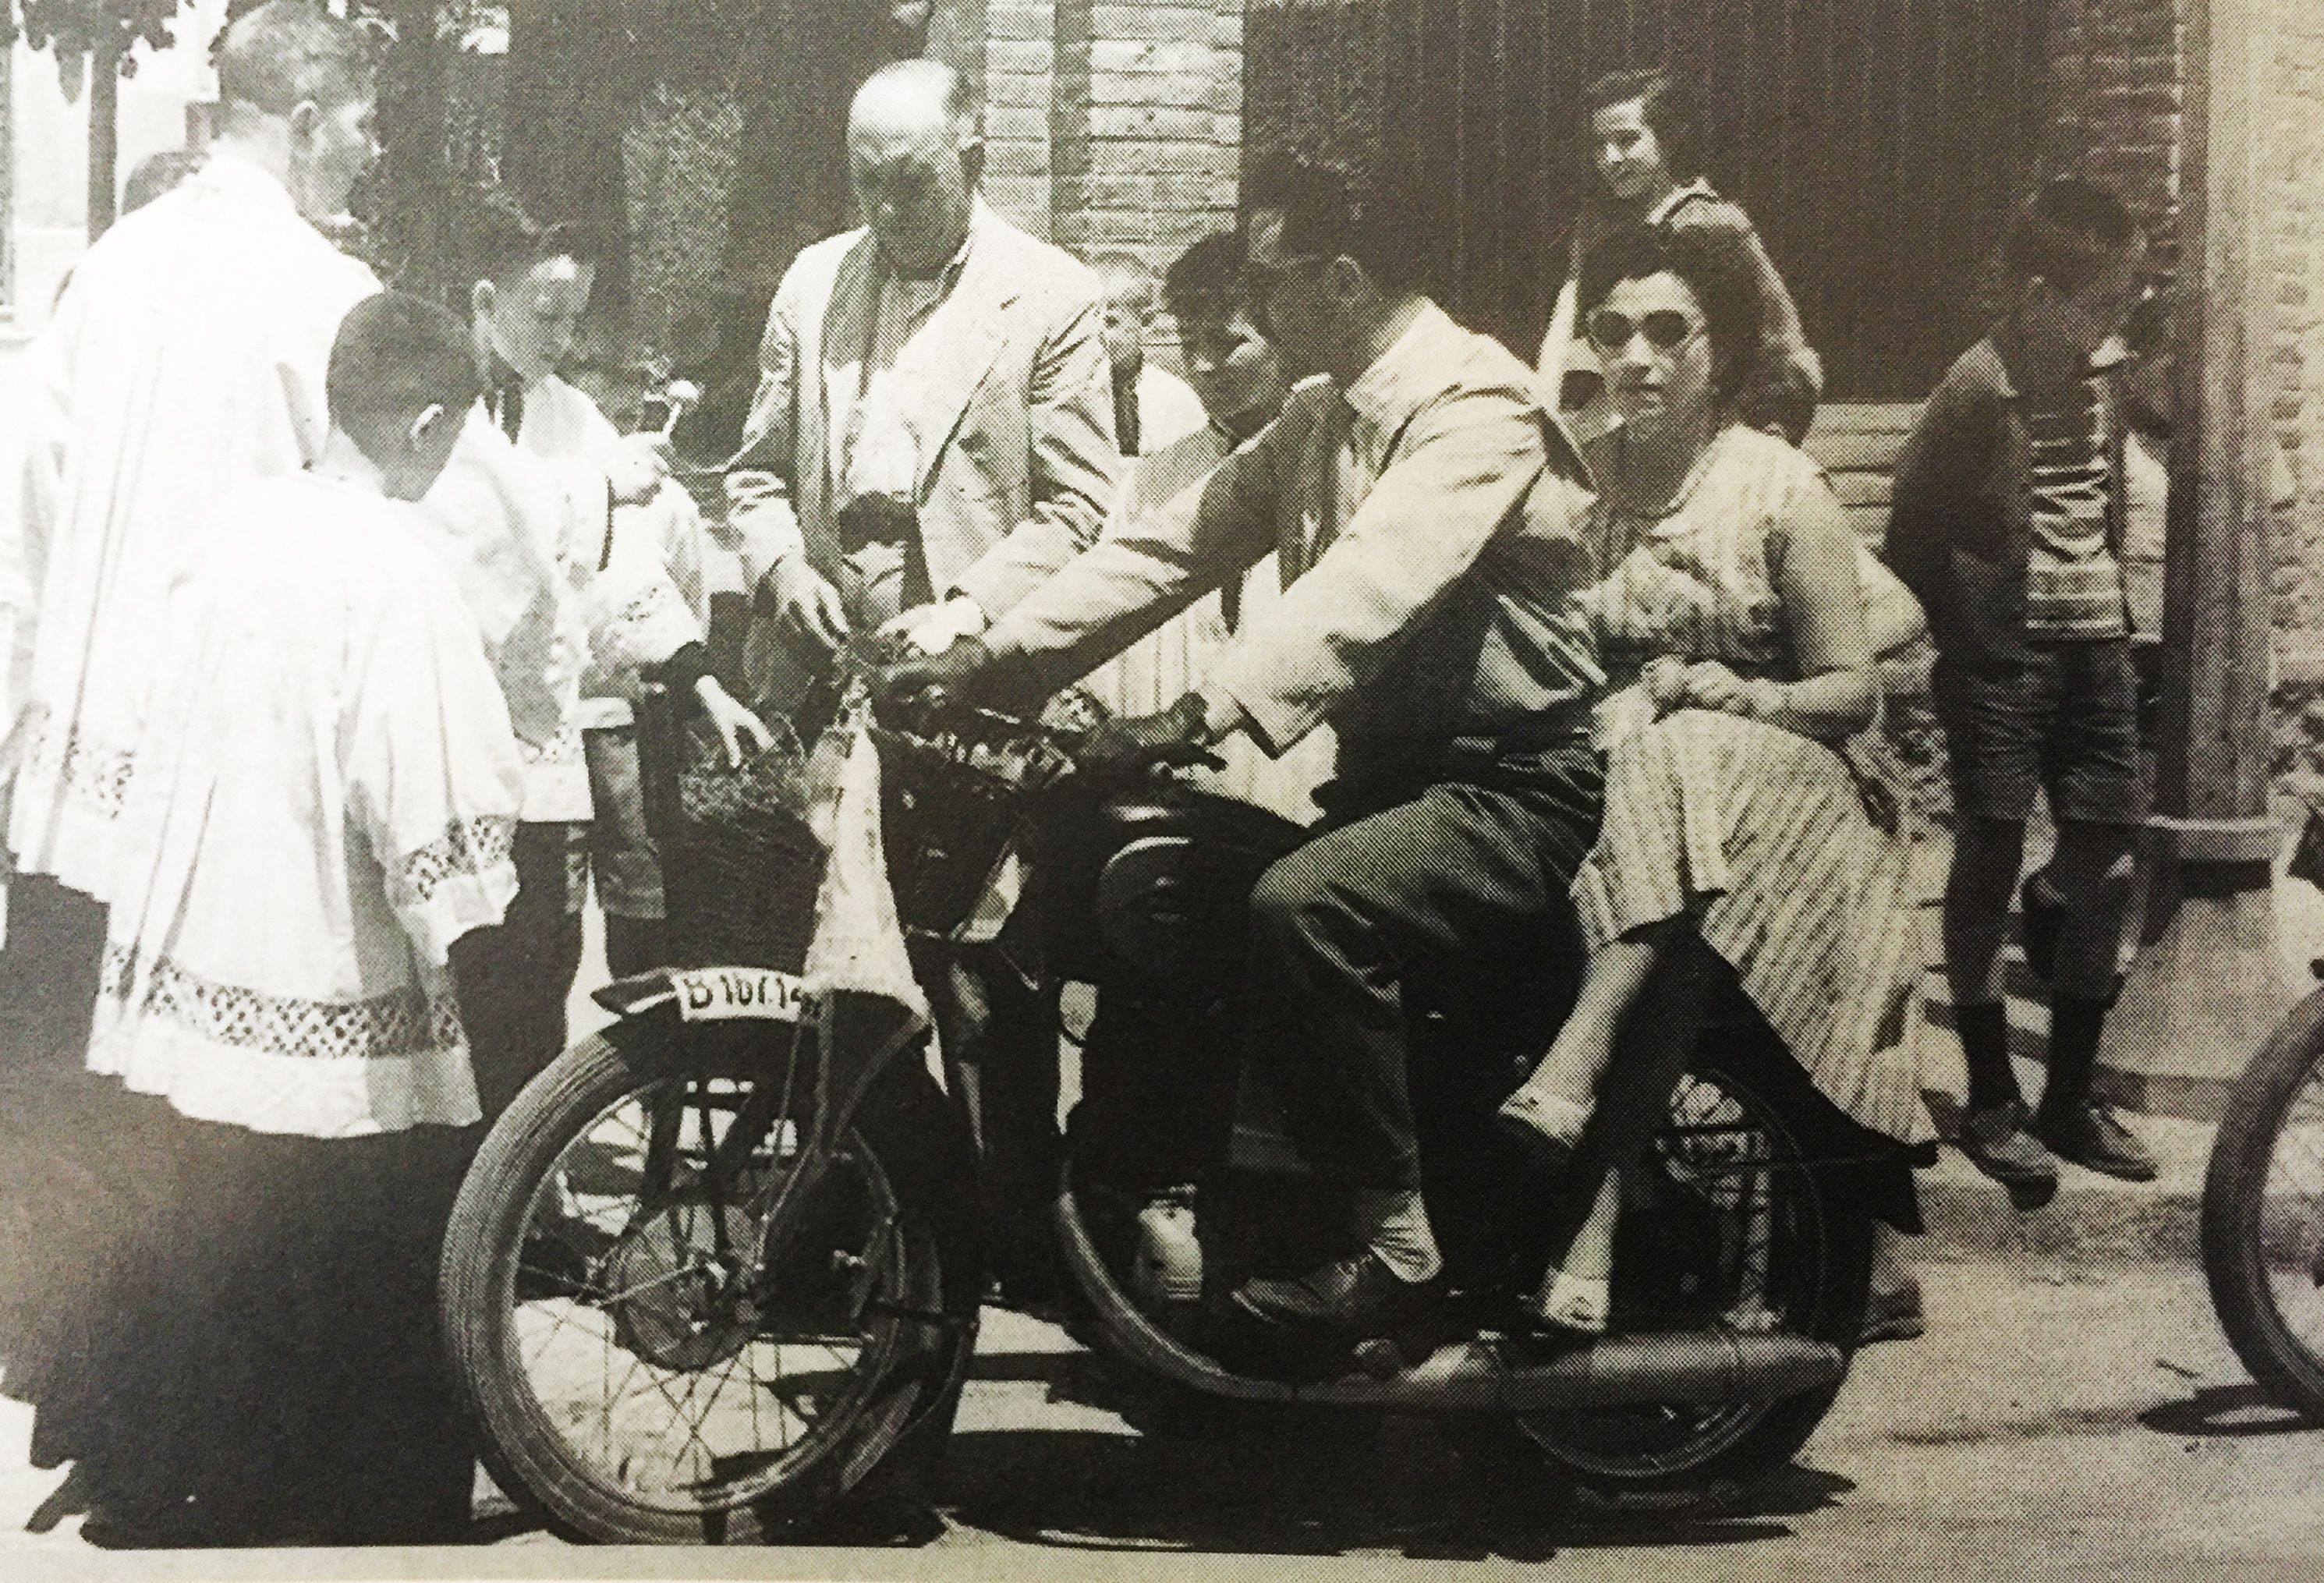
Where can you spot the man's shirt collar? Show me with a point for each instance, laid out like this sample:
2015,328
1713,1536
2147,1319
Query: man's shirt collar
225,170
1423,363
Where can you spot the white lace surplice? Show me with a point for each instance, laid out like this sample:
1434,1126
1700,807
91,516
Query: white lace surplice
638,582
325,803
187,357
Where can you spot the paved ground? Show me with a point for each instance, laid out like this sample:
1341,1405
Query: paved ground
2055,1423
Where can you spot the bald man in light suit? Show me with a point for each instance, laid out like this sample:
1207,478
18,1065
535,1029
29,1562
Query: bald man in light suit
933,433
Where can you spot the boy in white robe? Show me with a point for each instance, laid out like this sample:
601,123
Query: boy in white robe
1153,408
639,582
328,797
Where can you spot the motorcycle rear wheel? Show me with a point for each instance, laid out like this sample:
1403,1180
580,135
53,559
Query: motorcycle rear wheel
2262,1223
634,1379
1801,1263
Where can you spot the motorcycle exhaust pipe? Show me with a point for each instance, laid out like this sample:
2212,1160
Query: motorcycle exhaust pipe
1692,1367
1708,1367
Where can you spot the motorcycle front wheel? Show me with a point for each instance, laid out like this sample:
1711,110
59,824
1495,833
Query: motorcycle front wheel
637,1372
2263,1225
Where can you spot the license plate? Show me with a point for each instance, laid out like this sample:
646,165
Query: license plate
724,994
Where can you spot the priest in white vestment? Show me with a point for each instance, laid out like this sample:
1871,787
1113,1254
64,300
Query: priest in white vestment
186,357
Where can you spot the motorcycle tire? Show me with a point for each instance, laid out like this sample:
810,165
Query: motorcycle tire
2243,1242
540,1253
1826,1248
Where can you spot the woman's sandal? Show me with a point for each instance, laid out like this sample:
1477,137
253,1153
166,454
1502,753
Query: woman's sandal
1581,1305
1545,1127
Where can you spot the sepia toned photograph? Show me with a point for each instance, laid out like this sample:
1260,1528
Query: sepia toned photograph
1220,789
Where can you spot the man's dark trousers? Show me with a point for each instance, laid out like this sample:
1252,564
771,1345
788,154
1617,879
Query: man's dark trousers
1466,868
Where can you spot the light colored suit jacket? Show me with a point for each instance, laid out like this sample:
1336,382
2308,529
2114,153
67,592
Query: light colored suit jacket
1018,465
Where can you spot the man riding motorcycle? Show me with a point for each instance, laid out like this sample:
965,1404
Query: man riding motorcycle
1422,503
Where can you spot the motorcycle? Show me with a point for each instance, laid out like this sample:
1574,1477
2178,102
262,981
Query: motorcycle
717,1273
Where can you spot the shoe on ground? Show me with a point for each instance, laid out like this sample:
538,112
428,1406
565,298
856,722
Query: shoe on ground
2091,1136
1348,1299
1894,1313
1996,1141
2041,923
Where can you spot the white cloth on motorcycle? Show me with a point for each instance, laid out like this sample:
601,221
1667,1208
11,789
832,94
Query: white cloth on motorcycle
859,944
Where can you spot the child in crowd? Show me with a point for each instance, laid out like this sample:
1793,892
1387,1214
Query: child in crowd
637,576
1645,132
1153,408
326,804
2009,523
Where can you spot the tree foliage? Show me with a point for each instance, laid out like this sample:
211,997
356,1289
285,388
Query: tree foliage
74,31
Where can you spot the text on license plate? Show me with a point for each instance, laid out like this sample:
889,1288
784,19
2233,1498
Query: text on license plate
720,994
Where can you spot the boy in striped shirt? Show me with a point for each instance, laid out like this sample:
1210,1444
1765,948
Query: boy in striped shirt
2007,522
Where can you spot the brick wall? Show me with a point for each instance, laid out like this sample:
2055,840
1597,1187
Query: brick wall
1114,126
2297,365
2114,71
1018,66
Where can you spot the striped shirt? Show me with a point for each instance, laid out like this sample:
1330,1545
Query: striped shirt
2073,583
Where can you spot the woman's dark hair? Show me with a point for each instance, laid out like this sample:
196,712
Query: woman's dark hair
1715,266
1666,105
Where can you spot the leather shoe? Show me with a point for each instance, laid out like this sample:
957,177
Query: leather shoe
2089,1136
1349,1297
1894,1313
1996,1143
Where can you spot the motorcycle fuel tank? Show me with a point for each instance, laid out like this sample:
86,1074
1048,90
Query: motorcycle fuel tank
1170,899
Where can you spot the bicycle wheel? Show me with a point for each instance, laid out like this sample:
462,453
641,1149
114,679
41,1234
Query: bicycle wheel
636,1372
2263,1213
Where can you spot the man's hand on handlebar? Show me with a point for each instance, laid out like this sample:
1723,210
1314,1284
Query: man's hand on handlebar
1137,744
931,629
961,671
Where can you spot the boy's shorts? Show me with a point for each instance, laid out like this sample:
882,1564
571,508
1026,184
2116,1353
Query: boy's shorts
620,856
2063,720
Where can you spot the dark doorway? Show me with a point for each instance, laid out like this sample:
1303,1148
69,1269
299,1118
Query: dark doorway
1877,143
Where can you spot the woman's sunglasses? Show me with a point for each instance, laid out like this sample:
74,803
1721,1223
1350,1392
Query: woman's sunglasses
1666,329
